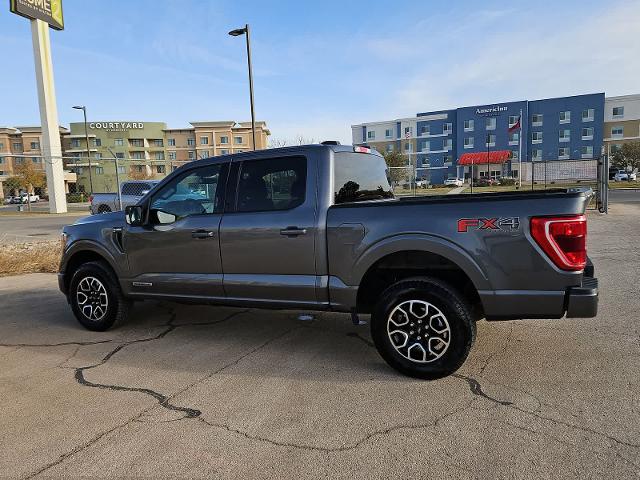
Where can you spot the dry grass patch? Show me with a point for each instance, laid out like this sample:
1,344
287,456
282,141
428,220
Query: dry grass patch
36,257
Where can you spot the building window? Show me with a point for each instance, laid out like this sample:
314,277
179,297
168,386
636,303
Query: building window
161,169
119,155
121,170
491,141
514,138
565,117
1,160
157,142
224,151
18,161
513,119
204,140
137,155
224,140
617,132
587,133
237,140
536,155
563,153
409,131
204,154
447,129
586,151
536,137
371,135
136,142
1,146
172,155
448,144
97,142
426,130
388,133
616,147
192,154
536,120
35,159
448,160
587,115
618,112
118,142
468,142
79,170
468,125
171,142
491,123
389,147
98,156
564,135
515,155
35,145
408,147
158,155
75,143
191,141
426,147
100,170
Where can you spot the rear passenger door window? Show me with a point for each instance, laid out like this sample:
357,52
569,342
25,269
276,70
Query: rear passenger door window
272,184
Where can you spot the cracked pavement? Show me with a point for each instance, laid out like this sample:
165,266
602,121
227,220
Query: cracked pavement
197,391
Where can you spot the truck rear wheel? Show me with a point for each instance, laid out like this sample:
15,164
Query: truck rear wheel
95,297
423,328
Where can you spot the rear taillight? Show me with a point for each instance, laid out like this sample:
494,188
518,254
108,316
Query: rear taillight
563,239
90,198
359,149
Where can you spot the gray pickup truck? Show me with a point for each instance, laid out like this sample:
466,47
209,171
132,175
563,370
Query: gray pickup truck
317,228
131,192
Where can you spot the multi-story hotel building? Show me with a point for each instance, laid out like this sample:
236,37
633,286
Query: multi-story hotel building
457,142
621,121
23,144
146,150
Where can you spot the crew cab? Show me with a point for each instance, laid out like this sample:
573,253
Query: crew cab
317,227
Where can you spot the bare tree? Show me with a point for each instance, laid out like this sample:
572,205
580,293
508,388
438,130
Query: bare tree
277,143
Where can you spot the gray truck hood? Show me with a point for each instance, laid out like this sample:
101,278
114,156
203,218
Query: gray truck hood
110,218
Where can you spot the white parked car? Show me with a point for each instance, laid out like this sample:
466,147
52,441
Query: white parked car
457,182
8,199
27,198
624,176
422,183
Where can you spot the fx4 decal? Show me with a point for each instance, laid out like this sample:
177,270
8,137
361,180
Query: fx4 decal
507,223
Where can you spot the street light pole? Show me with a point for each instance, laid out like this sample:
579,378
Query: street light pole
246,31
86,136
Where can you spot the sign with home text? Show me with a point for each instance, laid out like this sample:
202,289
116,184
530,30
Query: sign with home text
49,11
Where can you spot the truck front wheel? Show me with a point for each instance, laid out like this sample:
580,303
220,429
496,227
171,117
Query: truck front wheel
423,327
95,297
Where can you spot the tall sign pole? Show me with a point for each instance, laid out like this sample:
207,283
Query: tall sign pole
42,15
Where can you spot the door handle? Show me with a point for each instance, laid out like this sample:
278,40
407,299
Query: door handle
202,234
293,231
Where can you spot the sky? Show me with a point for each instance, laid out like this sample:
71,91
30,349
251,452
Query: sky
319,67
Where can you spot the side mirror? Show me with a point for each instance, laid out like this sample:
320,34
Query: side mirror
134,215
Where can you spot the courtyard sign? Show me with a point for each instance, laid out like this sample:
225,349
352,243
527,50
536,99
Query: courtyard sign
115,126
49,11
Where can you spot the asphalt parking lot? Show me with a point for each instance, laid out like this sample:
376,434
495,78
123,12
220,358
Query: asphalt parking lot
212,392
35,227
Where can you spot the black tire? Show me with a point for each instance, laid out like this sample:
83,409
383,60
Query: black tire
454,339
113,306
104,209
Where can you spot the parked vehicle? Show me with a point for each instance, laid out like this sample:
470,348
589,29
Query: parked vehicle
485,182
131,192
624,176
8,199
317,227
25,198
455,182
422,183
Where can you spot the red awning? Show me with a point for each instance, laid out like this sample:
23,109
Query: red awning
480,158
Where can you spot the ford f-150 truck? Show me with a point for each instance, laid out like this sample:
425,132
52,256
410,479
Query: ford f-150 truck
131,192
317,228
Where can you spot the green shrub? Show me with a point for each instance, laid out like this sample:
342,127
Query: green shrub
76,197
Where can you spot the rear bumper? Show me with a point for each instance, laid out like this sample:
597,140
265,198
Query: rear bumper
582,301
